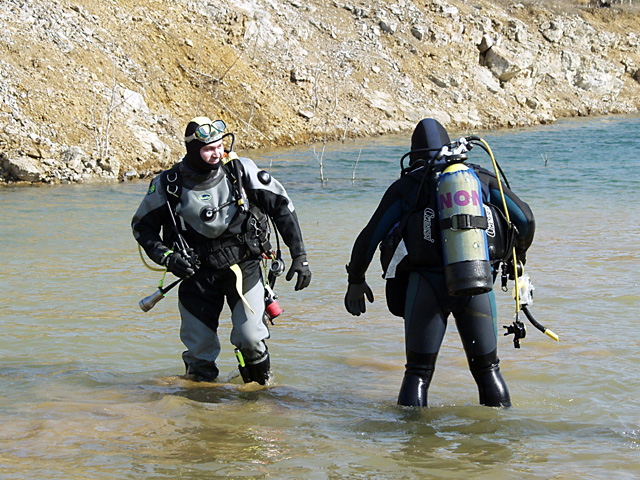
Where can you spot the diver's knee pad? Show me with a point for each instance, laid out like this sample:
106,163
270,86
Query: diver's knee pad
255,369
491,386
417,378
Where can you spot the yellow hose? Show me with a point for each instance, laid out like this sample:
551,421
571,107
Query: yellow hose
506,213
155,269
515,260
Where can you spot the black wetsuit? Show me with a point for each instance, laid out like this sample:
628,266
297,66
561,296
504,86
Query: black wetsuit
419,293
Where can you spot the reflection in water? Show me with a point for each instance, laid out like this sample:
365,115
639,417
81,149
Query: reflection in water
91,385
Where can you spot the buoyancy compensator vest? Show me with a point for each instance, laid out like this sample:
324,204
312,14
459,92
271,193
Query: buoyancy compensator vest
229,249
500,236
422,232
463,229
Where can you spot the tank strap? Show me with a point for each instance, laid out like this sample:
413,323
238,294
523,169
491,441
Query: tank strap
464,222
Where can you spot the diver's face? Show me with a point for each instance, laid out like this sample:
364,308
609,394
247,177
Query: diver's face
212,153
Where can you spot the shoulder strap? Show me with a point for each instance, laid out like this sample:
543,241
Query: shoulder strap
398,228
171,181
425,178
233,168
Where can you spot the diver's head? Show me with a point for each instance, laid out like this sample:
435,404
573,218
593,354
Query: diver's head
202,132
428,138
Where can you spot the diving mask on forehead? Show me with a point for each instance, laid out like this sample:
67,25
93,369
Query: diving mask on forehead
208,132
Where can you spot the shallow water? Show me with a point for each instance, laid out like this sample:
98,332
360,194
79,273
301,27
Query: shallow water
91,388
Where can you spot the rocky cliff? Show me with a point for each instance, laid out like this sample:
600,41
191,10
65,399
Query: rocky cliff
102,89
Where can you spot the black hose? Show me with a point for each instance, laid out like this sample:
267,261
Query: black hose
533,321
233,140
170,286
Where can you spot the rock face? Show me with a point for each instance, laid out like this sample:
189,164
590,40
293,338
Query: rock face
95,91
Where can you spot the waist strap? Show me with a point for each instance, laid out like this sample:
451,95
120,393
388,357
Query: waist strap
214,245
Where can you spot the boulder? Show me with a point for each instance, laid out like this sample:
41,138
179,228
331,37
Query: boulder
499,62
22,168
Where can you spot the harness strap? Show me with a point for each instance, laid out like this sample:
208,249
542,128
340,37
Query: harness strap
213,245
233,168
172,183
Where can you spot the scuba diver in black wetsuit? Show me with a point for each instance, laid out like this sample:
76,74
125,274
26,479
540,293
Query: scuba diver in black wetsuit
419,282
212,208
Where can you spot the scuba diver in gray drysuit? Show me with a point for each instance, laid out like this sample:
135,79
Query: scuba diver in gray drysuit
219,204
418,291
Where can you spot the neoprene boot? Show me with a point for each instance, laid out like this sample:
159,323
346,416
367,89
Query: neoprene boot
257,369
491,386
200,370
417,378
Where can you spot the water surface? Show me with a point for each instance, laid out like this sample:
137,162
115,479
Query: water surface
91,385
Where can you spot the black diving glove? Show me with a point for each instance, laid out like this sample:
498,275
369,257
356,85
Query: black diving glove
178,265
300,266
354,299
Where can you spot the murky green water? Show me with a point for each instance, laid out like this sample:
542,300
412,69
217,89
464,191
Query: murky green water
90,385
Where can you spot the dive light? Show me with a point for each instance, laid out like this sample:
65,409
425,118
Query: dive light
147,303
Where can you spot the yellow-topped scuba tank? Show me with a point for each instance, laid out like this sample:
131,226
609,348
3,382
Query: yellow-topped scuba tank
463,227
